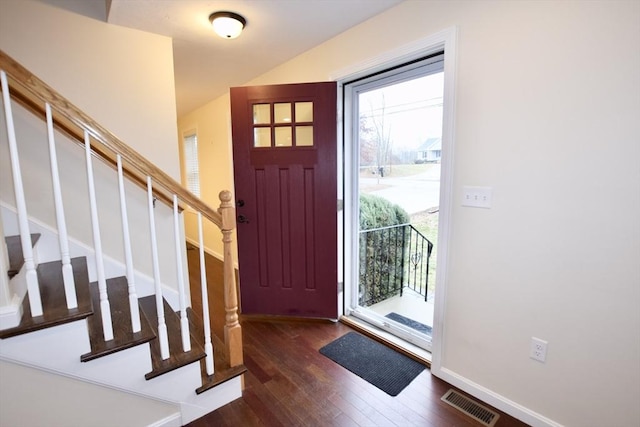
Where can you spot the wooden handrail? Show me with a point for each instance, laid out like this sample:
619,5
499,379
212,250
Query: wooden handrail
135,164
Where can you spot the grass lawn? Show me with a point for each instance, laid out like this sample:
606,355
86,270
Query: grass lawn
427,224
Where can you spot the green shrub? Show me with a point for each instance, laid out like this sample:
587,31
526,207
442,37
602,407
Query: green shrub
376,212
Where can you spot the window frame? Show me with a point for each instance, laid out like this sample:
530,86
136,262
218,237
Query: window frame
191,157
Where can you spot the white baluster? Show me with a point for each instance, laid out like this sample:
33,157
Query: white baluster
67,269
184,320
163,338
133,296
105,307
208,347
35,301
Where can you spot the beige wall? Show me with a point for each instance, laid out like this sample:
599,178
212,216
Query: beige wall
121,77
212,125
547,107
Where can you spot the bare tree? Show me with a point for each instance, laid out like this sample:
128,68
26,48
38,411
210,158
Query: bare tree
375,137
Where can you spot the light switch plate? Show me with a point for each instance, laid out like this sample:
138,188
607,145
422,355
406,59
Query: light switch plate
477,197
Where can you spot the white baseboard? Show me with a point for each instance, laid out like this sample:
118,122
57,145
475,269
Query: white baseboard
494,399
174,420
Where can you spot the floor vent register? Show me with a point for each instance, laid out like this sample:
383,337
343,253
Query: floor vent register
471,408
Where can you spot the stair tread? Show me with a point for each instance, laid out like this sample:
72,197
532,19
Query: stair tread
54,305
220,376
14,249
123,337
222,372
178,358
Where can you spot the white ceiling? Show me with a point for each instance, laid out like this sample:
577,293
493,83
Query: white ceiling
207,65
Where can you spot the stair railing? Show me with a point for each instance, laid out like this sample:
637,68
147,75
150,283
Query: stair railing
392,258
28,90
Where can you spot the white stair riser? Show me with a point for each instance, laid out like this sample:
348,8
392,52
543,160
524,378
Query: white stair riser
57,348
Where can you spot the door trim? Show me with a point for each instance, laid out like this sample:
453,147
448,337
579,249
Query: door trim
444,40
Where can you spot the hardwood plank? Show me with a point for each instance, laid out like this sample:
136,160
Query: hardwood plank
289,383
123,336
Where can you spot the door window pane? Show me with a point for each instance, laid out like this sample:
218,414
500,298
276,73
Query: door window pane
262,137
283,136
282,113
304,112
304,136
261,114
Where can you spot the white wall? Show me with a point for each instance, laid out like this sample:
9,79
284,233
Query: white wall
547,108
66,402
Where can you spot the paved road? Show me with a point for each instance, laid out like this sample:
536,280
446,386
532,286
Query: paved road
415,193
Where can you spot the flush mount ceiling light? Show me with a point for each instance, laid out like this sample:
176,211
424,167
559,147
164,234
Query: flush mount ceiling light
227,25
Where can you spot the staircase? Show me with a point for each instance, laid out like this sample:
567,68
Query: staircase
73,309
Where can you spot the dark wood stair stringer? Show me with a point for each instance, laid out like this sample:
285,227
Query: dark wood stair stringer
123,336
14,248
54,304
178,358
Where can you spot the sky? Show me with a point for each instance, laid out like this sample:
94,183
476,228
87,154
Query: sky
412,109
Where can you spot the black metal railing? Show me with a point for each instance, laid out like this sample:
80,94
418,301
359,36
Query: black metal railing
391,259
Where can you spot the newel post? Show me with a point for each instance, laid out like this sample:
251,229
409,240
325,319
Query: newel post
232,328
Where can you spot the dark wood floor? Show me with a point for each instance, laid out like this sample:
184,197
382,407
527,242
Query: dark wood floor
289,383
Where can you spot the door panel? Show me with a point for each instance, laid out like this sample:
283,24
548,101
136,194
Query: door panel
284,149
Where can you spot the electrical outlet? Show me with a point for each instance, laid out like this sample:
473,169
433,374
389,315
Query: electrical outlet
538,349
477,197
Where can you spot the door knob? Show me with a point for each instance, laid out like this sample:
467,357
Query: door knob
242,219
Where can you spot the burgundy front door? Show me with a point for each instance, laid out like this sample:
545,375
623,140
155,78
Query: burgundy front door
284,156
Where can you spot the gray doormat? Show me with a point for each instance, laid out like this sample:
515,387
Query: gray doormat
420,327
376,363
